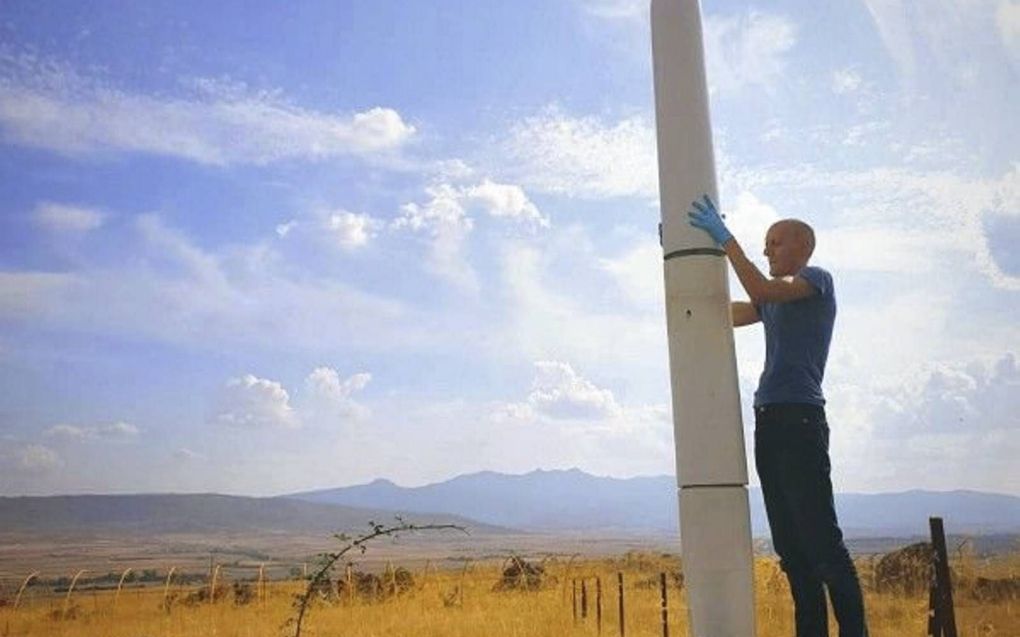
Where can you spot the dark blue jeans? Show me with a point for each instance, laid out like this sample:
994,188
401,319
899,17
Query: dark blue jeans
791,452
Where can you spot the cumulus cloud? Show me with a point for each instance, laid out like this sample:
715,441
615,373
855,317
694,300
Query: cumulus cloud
67,218
845,81
616,9
1007,22
251,402
929,217
283,229
111,431
507,201
638,272
177,291
447,225
549,318
584,157
558,391
333,396
959,415
349,230
445,219
749,218
747,50
952,38
47,104
972,396
187,455
38,459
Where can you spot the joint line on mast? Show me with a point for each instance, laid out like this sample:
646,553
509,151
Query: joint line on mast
703,486
690,252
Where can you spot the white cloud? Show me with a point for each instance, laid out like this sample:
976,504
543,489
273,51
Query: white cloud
617,9
111,431
332,396
178,292
747,50
974,396
349,230
845,81
873,248
252,402
26,295
444,218
1007,22
938,215
556,310
38,459
638,273
505,200
446,222
560,392
48,105
749,219
584,157
188,455
283,229
67,218
951,37
959,416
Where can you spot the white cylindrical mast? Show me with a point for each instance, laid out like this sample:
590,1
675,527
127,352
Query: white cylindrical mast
715,527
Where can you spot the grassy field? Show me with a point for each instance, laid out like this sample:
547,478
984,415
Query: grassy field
463,602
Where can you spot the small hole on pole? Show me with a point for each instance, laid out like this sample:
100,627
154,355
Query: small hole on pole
688,314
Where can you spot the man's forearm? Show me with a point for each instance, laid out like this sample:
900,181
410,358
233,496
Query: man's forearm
748,273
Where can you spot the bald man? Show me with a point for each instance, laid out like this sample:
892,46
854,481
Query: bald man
797,306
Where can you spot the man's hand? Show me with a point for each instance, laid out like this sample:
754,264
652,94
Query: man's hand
707,218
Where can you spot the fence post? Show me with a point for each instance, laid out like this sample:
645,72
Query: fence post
619,587
573,597
945,617
584,599
665,605
598,604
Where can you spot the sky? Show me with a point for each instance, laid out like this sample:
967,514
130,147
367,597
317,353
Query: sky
255,248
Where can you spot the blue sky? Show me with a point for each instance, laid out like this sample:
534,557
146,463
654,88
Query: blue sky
256,249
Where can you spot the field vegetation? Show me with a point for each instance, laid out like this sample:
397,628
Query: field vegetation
495,598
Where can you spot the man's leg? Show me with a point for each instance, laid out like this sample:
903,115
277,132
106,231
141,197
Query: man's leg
805,477
810,612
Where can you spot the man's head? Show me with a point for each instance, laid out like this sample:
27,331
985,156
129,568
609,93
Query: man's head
788,246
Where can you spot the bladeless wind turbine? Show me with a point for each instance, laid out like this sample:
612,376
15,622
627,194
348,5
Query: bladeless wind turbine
715,526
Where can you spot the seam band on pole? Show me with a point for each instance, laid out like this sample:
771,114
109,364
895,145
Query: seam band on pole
694,252
703,486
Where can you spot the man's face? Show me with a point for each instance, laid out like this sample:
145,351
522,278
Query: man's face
784,249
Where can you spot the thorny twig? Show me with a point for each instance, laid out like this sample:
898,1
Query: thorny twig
328,560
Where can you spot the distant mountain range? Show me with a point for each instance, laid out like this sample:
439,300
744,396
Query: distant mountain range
573,500
198,513
566,502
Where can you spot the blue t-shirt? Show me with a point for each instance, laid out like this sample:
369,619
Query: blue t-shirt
797,337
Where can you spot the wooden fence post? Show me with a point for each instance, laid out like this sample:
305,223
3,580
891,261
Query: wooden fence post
584,599
619,587
941,618
598,604
665,605
573,597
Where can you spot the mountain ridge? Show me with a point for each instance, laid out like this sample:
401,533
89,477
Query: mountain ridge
570,499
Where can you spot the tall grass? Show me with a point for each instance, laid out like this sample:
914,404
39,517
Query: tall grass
422,612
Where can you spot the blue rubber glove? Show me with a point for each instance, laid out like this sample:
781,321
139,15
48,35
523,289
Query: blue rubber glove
707,218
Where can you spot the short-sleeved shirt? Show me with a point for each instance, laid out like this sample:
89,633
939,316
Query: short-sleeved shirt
797,337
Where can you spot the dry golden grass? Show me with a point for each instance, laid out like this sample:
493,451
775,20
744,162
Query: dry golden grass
461,602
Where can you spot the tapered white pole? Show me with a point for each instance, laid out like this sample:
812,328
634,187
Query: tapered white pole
715,524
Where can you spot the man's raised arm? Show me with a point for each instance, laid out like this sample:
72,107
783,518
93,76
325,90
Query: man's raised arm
760,288
743,313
